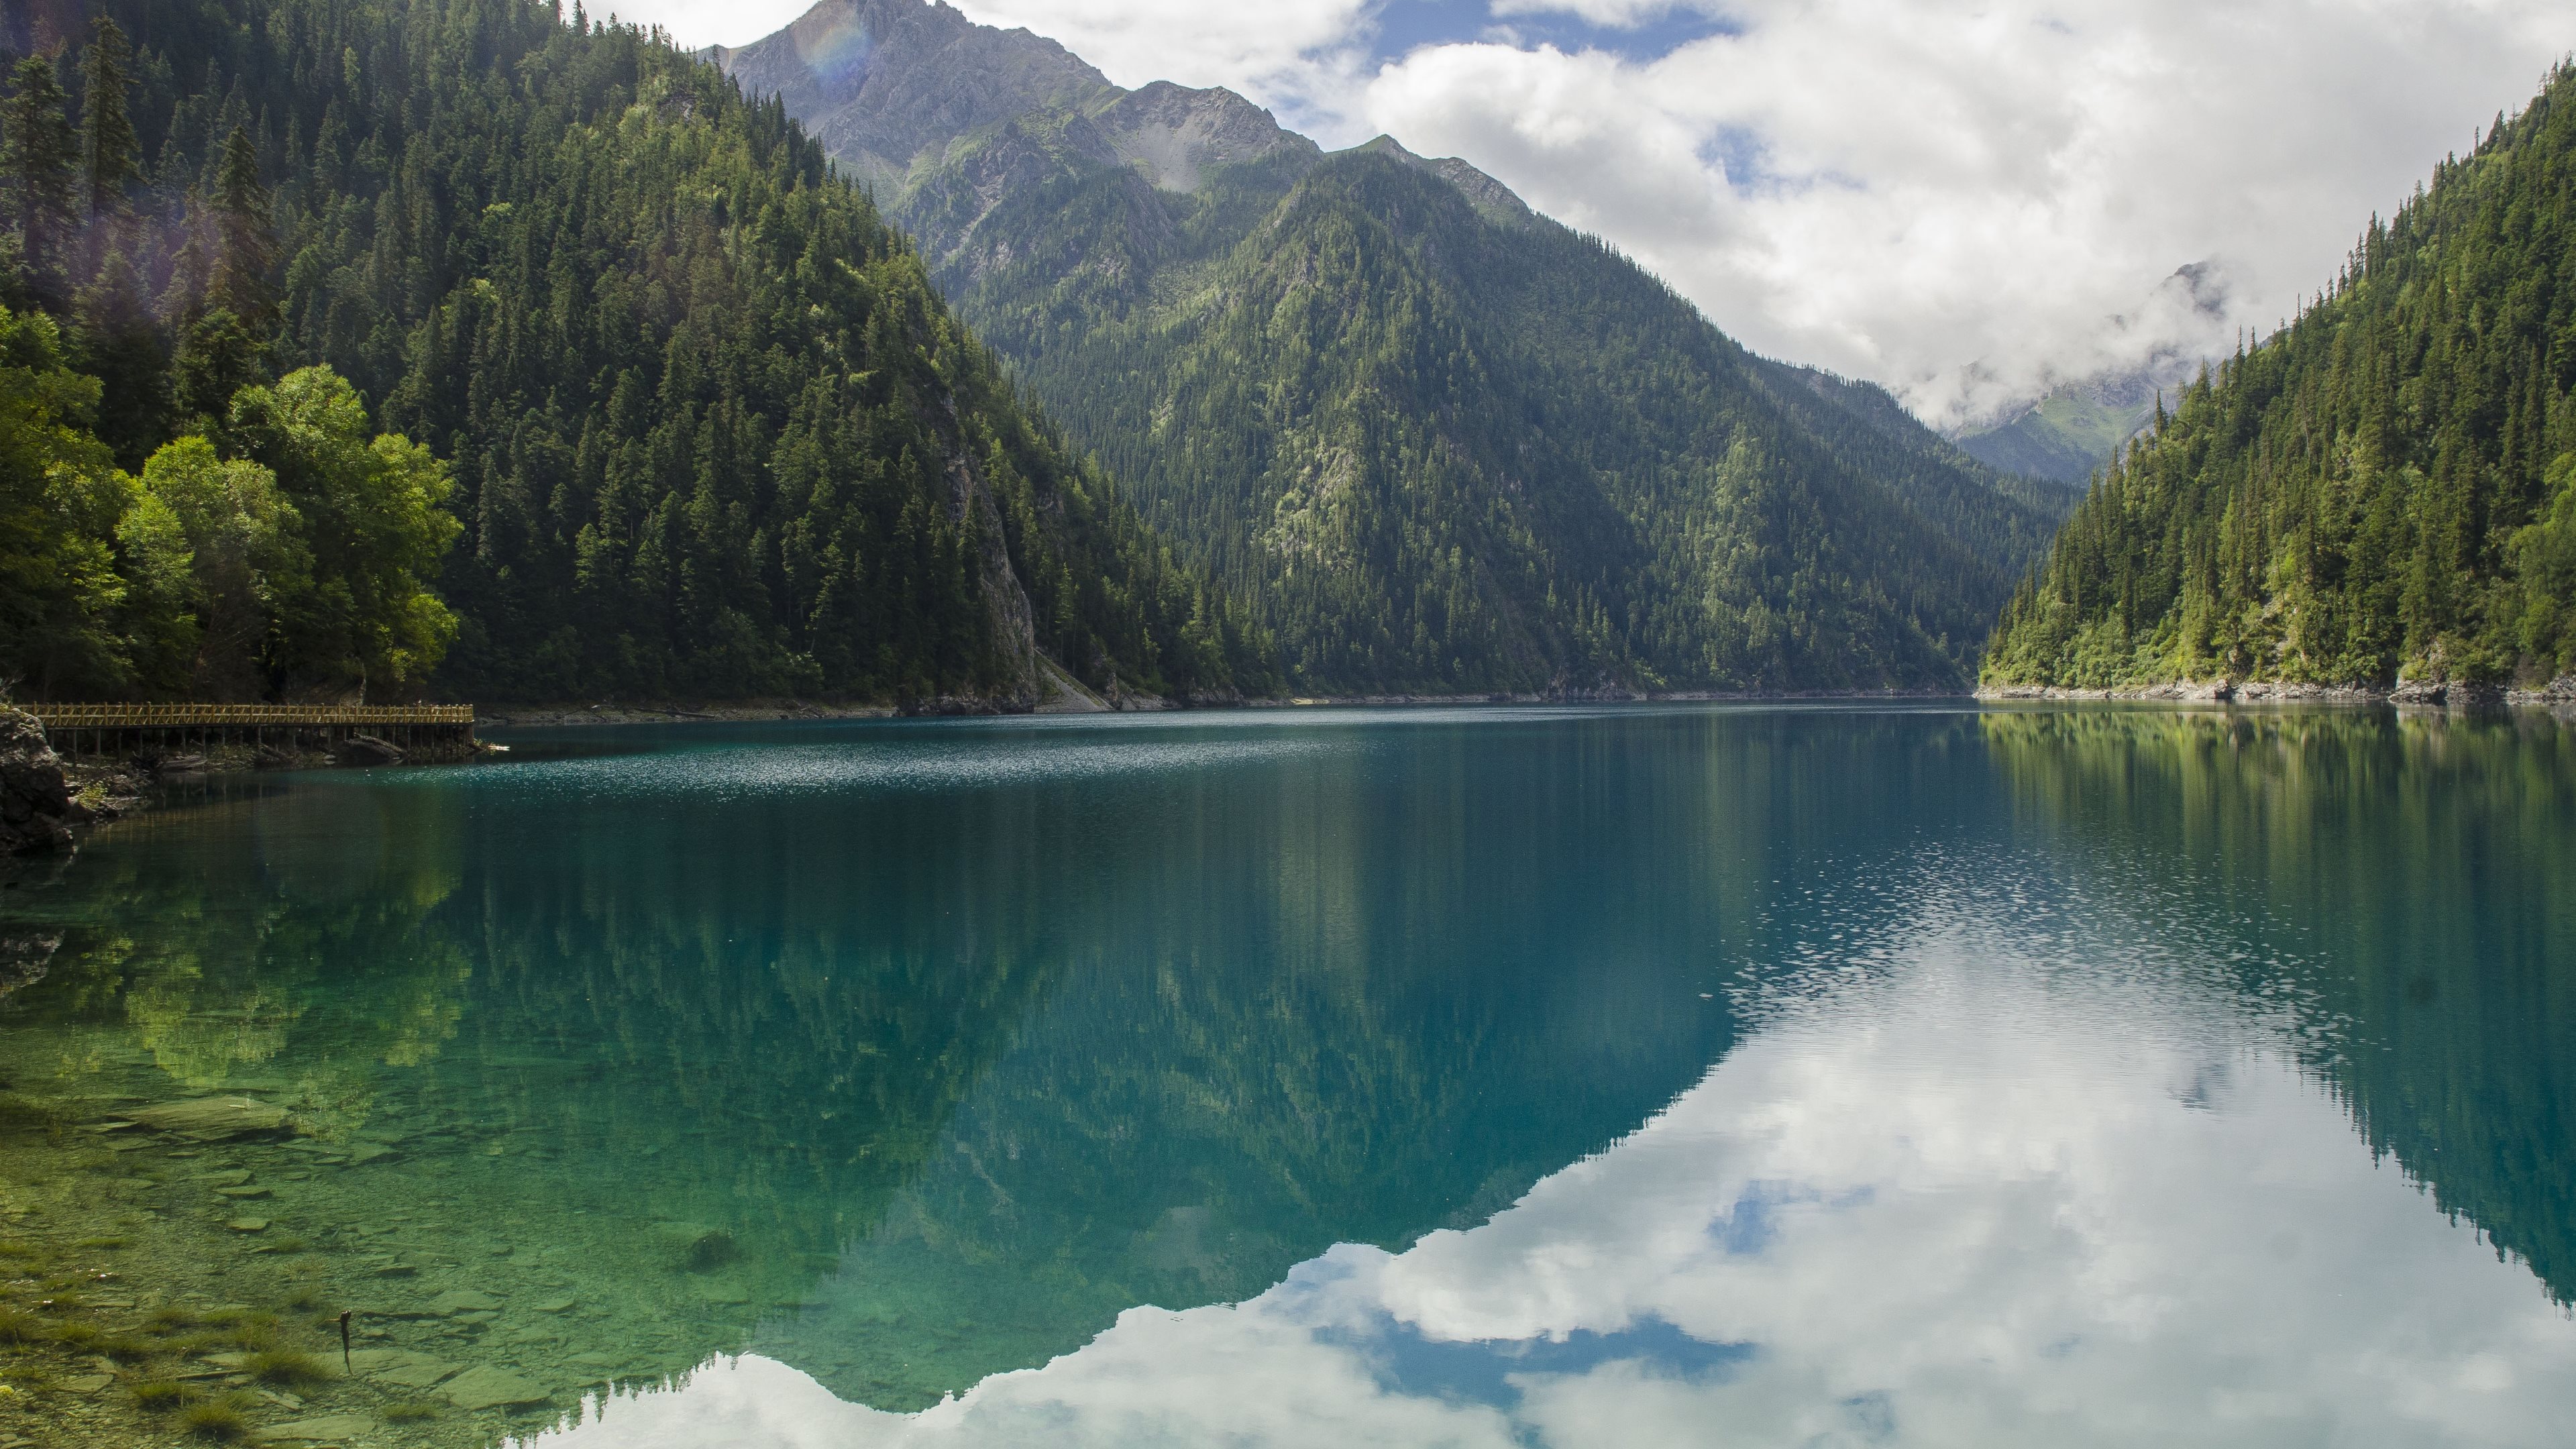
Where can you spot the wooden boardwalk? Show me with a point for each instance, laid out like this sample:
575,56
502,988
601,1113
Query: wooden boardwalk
105,728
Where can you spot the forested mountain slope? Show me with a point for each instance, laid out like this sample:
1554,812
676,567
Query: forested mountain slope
2383,491
1441,443
709,427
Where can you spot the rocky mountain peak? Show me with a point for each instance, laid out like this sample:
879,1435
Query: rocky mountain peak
881,82
1496,201
1176,133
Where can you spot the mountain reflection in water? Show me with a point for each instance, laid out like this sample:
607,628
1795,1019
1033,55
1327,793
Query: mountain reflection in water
1629,1076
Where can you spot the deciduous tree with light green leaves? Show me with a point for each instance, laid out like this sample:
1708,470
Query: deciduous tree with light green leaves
290,558
216,543
374,515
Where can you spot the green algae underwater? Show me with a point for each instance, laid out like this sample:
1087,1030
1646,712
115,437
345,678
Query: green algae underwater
919,1058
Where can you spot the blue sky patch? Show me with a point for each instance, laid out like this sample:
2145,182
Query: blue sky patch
1402,26
1478,1371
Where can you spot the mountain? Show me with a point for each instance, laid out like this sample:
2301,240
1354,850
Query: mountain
707,425
2071,431
2383,491
1438,441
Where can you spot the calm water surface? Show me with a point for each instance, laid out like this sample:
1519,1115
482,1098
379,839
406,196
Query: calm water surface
1531,1077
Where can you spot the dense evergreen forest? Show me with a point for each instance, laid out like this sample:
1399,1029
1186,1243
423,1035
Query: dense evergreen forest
669,408
1437,441
1451,449
2385,490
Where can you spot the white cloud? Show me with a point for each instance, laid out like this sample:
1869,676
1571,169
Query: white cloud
1959,200
1963,199
1284,54
1975,1200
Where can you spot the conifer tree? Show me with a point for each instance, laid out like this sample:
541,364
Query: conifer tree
120,345
247,245
39,165
109,150
2381,492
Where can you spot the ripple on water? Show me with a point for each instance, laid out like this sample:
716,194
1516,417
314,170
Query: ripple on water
909,766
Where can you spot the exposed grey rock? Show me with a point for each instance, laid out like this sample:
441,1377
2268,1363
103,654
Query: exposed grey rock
884,84
1176,135
35,803
1495,201
897,90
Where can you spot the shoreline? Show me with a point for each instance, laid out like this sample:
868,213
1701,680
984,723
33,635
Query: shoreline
2442,694
552,716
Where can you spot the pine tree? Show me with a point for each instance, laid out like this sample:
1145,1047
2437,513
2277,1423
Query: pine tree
39,165
246,252
110,152
119,342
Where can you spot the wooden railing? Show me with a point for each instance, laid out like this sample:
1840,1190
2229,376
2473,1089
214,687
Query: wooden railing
206,716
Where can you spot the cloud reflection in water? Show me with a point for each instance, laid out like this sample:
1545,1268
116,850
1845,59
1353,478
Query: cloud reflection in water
1965,1201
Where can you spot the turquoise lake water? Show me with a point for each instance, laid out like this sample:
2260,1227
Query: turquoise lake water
1571,1077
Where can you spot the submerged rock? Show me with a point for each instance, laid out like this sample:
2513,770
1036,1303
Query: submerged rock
402,1368
697,1248
463,1300
493,1388
331,1427
213,1116
24,958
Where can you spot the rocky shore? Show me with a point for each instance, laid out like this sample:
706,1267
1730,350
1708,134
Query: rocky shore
46,798
2437,694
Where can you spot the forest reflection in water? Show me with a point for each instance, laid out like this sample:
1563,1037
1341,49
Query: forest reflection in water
1567,1076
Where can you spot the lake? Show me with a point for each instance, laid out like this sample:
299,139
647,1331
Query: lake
1766,1075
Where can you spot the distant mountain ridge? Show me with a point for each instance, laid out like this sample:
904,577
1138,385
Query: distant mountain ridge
1439,441
2071,430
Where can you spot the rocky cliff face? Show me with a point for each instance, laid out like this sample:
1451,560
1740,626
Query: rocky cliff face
946,118
35,803
888,84
1177,135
